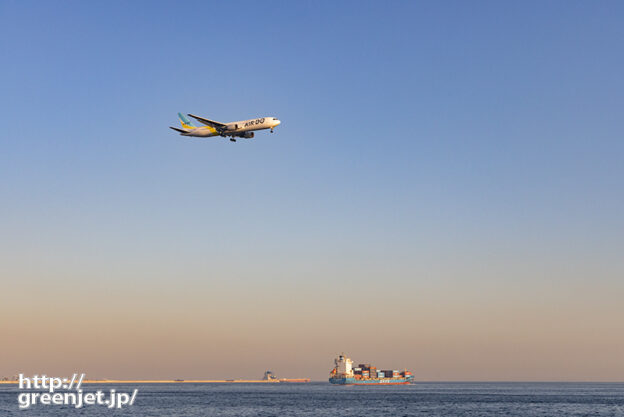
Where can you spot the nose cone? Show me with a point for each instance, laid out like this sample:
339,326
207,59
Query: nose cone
277,122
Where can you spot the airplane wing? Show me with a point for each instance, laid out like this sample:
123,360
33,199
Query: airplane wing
208,122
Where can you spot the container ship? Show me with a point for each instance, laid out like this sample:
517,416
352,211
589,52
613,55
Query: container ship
364,374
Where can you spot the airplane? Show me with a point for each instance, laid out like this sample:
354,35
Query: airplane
243,129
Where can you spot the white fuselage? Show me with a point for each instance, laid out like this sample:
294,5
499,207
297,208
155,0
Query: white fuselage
235,128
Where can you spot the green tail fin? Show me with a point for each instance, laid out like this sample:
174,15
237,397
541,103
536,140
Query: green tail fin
186,123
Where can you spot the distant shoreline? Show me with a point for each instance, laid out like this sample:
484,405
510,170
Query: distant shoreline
186,381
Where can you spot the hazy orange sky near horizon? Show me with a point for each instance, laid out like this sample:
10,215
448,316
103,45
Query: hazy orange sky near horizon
445,192
440,324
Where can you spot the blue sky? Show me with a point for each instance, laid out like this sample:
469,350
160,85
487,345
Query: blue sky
467,143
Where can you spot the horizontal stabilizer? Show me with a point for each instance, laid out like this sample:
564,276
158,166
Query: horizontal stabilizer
178,130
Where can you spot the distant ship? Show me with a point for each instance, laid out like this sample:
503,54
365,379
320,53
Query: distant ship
270,377
364,374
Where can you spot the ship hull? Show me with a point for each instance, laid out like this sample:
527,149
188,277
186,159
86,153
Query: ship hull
371,381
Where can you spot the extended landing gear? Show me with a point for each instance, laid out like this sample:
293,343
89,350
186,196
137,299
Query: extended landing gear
232,140
271,130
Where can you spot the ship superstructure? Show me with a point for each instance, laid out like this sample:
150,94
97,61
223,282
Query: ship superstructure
269,376
344,373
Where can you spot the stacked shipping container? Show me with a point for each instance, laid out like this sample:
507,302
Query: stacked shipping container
365,370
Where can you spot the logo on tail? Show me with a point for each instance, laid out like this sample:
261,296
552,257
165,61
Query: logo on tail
186,123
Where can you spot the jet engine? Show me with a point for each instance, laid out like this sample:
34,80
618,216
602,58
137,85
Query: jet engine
247,135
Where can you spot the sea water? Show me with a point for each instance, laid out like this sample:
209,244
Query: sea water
323,399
